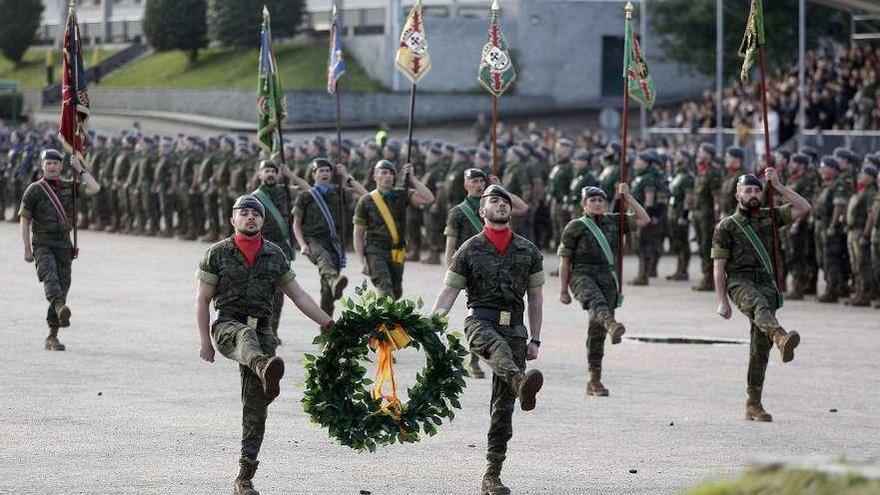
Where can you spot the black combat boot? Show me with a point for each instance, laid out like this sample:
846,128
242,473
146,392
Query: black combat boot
594,386
527,385
754,410
61,311
491,484
270,371
52,343
243,484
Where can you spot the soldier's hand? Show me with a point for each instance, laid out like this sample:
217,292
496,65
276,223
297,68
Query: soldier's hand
623,189
771,177
494,180
305,250
565,298
28,256
366,269
341,170
206,352
724,310
531,352
408,170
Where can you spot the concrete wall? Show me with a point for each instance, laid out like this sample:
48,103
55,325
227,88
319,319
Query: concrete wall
313,107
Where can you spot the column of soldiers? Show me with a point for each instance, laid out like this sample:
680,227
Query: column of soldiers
184,186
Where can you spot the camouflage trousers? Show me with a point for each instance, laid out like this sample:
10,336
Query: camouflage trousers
597,294
860,262
184,212
831,255
506,356
414,221
212,211
324,258
800,254
704,224
679,244
53,263
755,296
245,345
386,275
435,223
168,205
559,219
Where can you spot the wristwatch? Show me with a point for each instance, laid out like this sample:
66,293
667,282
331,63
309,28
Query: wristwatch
536,342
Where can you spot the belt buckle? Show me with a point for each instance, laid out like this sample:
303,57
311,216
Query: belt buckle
504,318
252,322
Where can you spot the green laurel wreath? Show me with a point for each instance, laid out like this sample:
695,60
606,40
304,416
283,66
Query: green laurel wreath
337,394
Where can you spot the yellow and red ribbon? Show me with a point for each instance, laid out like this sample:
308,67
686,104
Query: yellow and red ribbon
392,338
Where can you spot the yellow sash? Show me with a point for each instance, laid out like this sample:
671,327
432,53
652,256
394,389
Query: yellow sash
398,254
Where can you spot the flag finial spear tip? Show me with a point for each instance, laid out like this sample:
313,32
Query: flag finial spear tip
265,11
334,9
629,9
495,5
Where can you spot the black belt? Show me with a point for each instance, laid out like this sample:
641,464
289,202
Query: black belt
251,321
504,318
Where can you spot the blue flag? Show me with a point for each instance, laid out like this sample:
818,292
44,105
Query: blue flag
336,63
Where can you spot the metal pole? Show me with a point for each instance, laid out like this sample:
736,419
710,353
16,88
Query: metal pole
643,29
494,135
392,22
802,59
769,164
719,73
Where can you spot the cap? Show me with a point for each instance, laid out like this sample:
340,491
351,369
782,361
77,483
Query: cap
564,142
649,156
319,163
582,155
708,148
51,154
736,152
800,159
268,164
830,162
749,180
474,173
385,164
592,191
249,201
870,170
496,190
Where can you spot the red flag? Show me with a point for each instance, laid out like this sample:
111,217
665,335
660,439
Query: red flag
74,91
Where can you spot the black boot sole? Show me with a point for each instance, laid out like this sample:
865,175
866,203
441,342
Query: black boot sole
793,340
532,384
272,376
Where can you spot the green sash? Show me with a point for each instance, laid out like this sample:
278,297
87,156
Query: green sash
752,236
606,249
273,210
471,215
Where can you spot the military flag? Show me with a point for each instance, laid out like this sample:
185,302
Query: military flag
74,91
336,62
496,72
271,105
753,37
635,69
412,56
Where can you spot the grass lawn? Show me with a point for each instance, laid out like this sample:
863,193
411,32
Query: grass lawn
31,74
788,482
302,66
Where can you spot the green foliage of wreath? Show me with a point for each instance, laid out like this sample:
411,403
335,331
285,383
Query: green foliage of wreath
338,395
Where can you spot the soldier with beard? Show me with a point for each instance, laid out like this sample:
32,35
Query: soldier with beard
744,273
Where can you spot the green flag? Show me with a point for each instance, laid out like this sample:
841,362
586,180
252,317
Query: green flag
271,106
496,72
754,36
635,69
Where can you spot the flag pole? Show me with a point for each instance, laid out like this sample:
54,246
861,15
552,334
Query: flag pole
494,135
76,136
339,158
412,113
628,11
770,193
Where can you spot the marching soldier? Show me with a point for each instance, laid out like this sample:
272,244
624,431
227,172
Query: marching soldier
744,273
463,222
240,274
681,203
498,269
829,229
378,219
46,219
858,243
316,225
707,190
587,265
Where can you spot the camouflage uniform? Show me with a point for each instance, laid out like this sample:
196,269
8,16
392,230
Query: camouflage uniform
860,256
608,177
677,220
648,238
51,241
277,234
592,280
494,283
728,202
186,223
459,226
875,246
707,186
559,181
581,178
323,253
435,214
517,179
831,249
121,169
205,184
164,190
752,289
99,209
244,293
386,275
800,248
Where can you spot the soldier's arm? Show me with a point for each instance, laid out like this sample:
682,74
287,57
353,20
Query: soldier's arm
306,304
517,205
642,217
24,223
204,295
535,296
421,194
92,186
451,241
720,274
799,206
454,281
298,231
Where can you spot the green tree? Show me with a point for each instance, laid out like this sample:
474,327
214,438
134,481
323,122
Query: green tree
21,18
177,25
686,29
237,22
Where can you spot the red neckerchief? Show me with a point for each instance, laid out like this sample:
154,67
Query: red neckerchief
861,187
249,247
499,238
55,183
703,167
794,178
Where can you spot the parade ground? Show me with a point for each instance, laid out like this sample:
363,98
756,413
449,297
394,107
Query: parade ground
130,408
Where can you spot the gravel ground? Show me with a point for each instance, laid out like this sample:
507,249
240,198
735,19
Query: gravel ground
130,409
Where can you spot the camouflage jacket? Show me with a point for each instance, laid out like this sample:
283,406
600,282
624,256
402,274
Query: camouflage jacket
707,185
458,225
579,180
729,203
609,177
366,213
47,226
858,208
730,243
830,195
165,167
579,244
455,192
560,180
517,179
682,184
313,224
495,281
278,234
241,289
